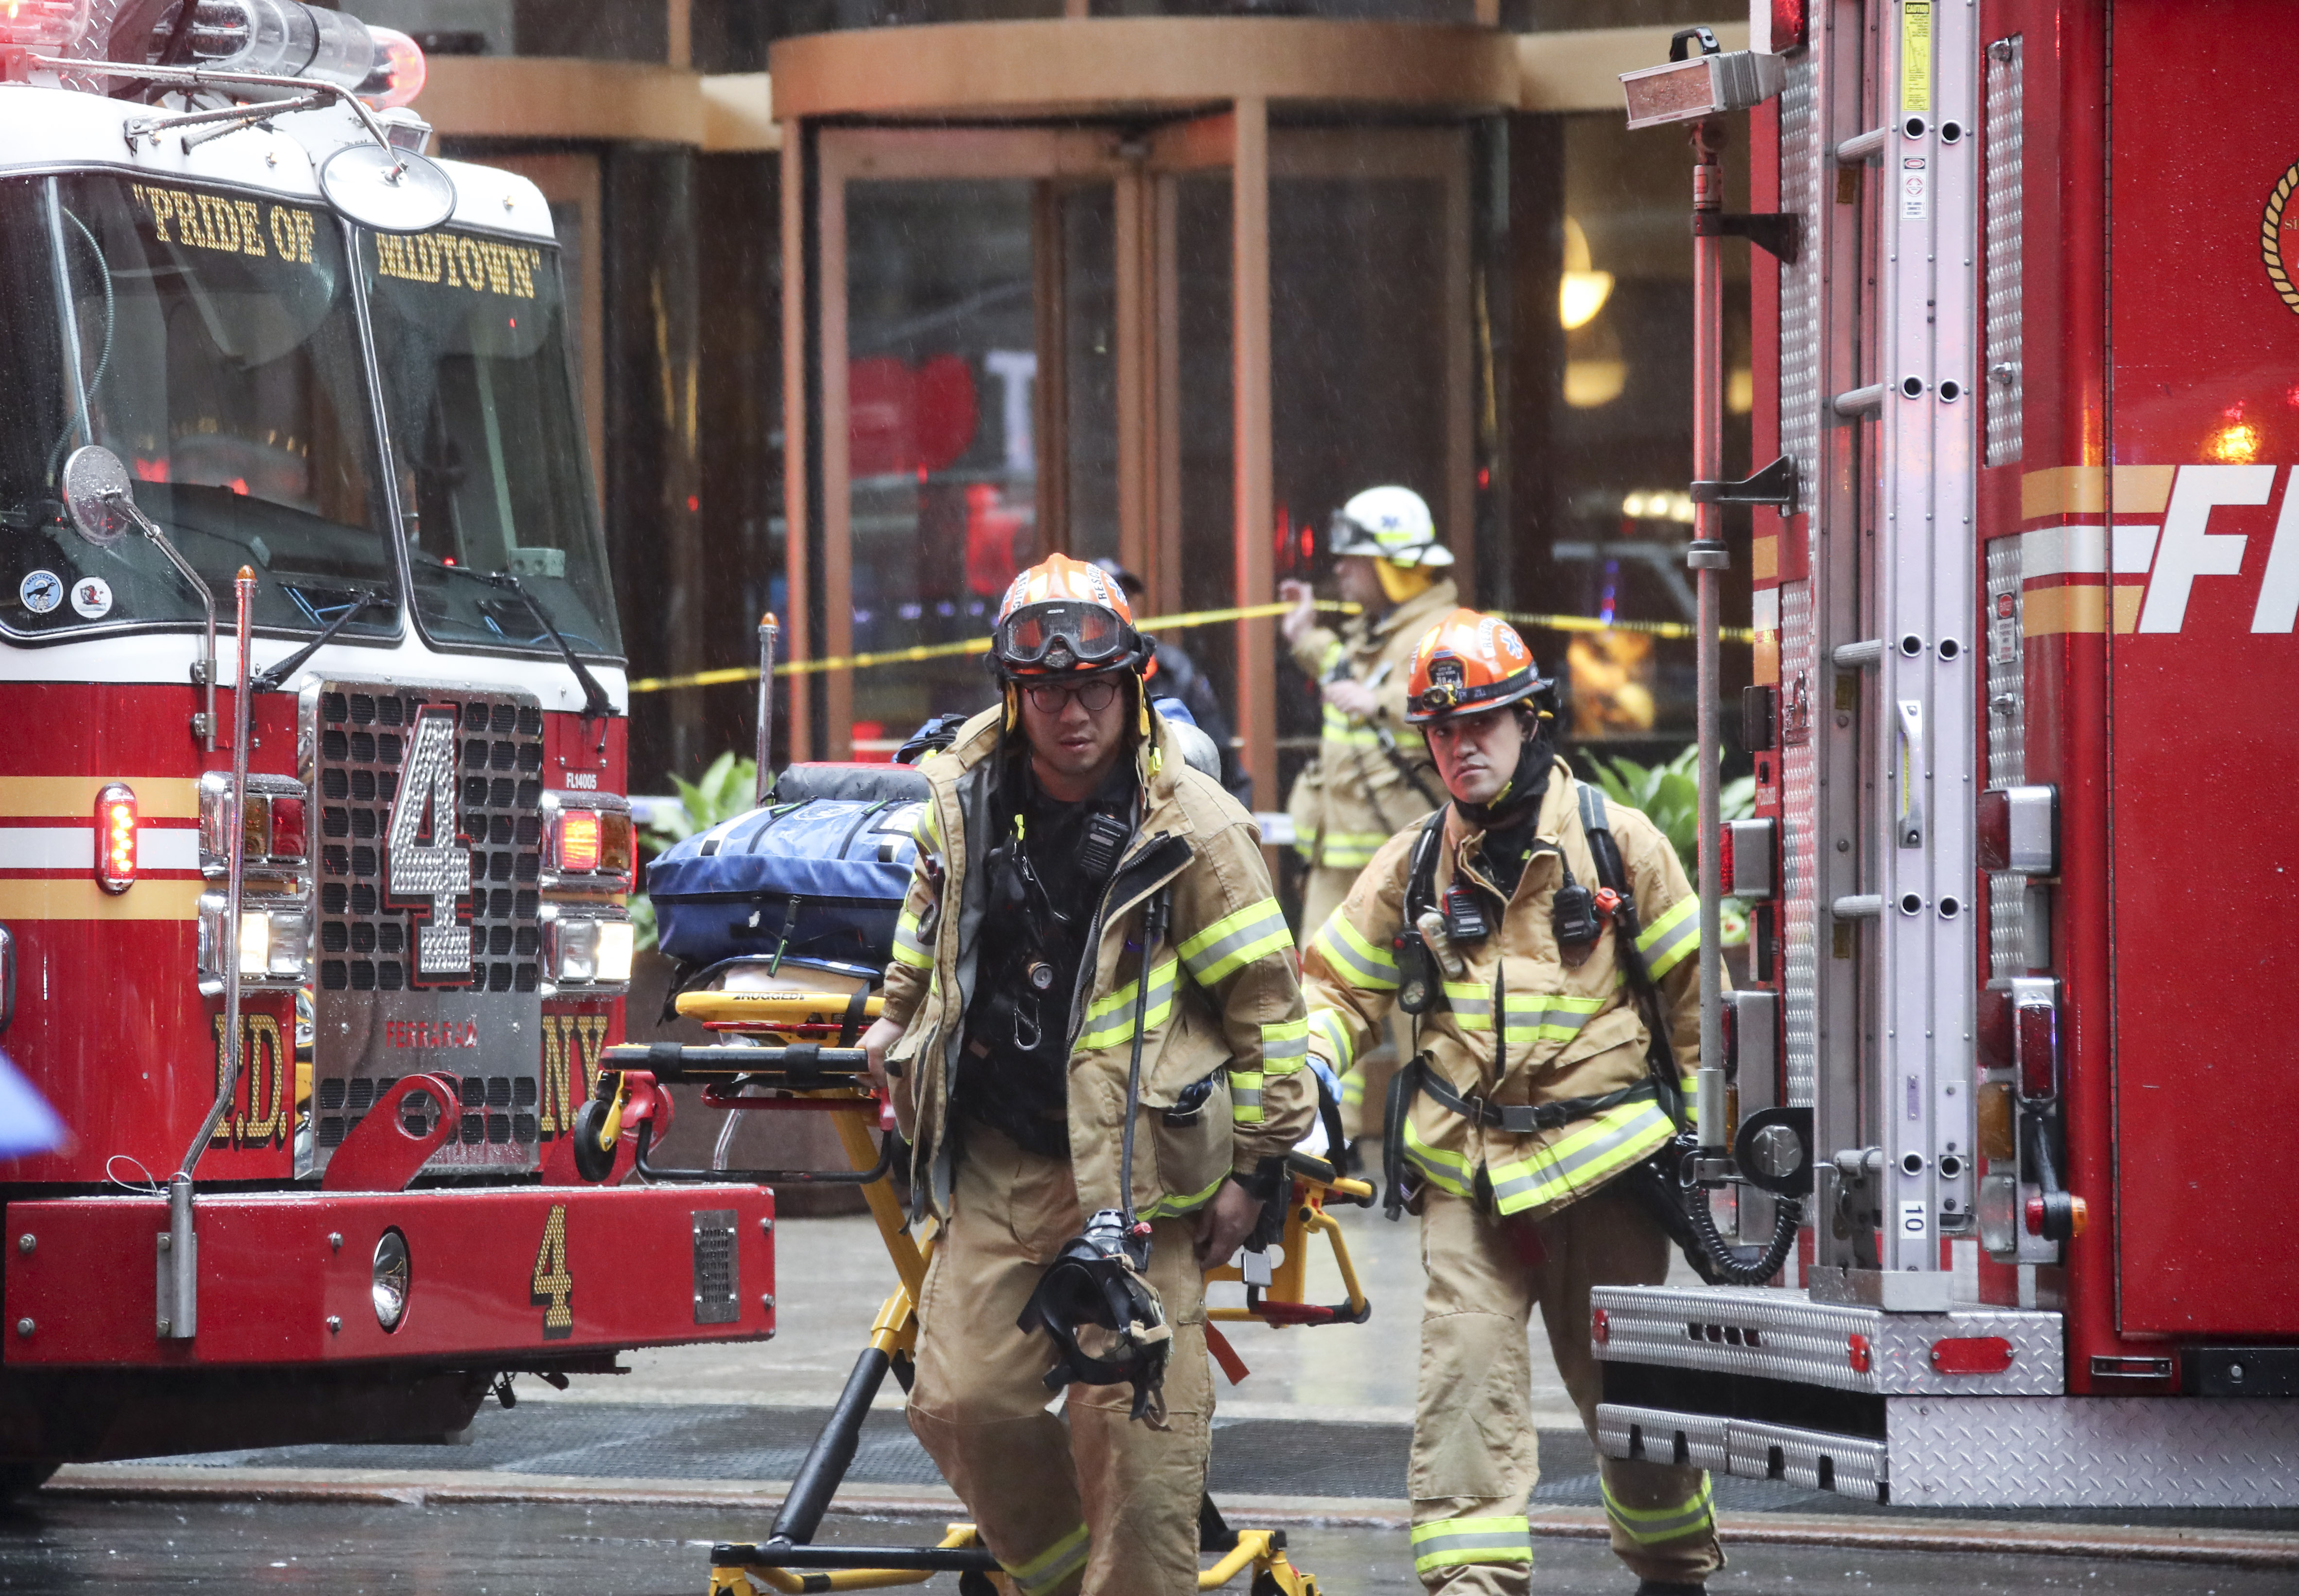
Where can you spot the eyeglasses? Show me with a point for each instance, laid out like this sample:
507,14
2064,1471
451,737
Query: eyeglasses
1093,697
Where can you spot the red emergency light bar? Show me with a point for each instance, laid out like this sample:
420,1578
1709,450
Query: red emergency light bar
115,831
42,24
400,71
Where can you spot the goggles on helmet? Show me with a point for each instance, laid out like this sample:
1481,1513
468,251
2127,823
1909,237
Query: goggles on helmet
1064,634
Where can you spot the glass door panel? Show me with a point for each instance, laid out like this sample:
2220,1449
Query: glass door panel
942,460
967,285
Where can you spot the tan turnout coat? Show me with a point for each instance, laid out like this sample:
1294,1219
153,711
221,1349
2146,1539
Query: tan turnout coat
1224,999
1565,1029
1353,798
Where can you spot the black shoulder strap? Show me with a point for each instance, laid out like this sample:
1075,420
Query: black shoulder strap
1421,880
1595,825
1660,1057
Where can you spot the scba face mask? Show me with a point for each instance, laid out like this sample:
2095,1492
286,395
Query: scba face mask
1108,1321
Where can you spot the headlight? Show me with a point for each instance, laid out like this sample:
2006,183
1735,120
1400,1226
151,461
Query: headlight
274,938
389,1280
586,950
617,938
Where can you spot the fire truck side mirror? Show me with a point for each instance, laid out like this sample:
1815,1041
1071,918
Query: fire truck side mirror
98,496
388,188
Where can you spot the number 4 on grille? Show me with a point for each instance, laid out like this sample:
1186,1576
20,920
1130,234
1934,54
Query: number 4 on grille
438,870
553,1287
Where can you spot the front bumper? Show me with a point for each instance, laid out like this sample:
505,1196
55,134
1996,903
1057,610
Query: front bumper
503,1276
1966,1409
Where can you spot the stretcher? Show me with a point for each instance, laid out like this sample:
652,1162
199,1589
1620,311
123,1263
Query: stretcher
788,1041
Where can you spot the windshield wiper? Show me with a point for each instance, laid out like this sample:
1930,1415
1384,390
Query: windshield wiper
596,704
362,600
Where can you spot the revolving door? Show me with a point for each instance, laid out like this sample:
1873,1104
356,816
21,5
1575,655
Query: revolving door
1140,326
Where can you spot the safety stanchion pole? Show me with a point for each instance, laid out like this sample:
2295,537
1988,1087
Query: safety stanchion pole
1707,559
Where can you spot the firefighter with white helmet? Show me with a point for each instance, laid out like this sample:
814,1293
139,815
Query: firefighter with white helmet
1067,849
1543,947
1371,775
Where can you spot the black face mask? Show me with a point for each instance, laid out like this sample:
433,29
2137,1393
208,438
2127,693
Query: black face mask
1528,783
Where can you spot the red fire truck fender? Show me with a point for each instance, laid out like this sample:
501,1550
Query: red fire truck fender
521,1272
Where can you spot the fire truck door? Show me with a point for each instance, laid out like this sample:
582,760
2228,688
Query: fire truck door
2200,546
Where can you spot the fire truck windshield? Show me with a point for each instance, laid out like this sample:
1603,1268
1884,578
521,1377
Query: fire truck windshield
487,440
210,340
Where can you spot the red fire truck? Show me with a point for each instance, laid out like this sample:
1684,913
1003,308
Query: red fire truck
2025,591
312,928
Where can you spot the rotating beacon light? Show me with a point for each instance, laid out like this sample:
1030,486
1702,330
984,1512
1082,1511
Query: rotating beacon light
45,25
399,72
284,39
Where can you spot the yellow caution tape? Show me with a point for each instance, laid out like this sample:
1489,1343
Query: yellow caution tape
1730,634
730,675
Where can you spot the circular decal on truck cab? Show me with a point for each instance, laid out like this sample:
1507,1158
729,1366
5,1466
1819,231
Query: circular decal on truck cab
41,591
2277,250
91,598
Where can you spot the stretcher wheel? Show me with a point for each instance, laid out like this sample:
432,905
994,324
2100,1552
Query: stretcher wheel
592,1161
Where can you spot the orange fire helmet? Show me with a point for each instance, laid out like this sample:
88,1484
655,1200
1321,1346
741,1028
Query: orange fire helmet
1467,664
1063,617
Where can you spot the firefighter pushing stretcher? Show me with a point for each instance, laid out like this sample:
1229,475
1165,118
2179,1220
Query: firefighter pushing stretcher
1067,850
1526,966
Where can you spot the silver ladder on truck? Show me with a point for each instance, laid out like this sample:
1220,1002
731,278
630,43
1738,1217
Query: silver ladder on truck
1872,1368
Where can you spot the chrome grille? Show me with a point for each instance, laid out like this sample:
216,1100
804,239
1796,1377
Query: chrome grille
376,1015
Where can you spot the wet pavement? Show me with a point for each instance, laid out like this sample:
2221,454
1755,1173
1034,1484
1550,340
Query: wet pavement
59,1546
621,1485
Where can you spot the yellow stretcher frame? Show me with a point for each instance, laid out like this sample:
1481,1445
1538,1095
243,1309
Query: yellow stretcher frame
777,1017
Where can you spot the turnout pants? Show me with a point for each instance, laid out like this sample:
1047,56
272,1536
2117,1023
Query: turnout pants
1365,1089
1101,1500
1475,1461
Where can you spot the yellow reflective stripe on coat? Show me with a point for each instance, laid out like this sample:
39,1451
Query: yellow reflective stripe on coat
1235,940
909,944
1446,1172
1245,1095
1168,1206
1591,1151
1472,1005
1284,1046
1530,1017
1666,940
1111,1020
1553,1018
1332,1031
1343,850
1695,1514
1054,1565
1355,960
1342,727
1450,1543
